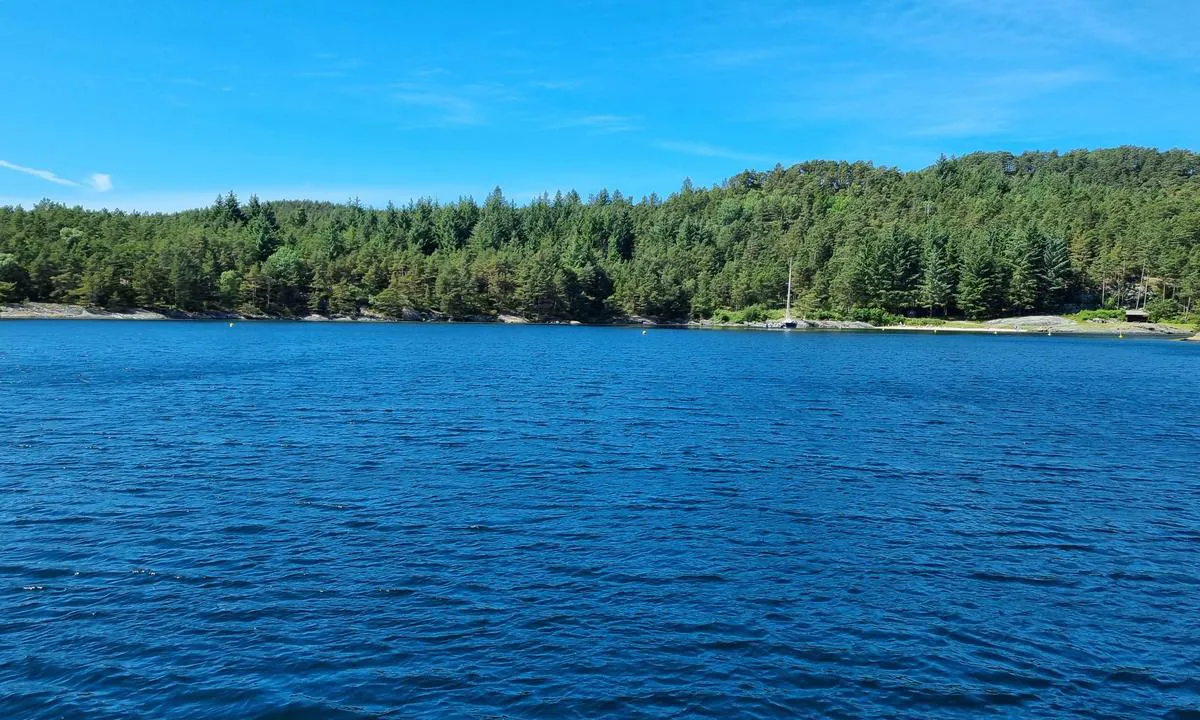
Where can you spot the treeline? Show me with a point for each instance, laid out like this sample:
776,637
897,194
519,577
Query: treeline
978,236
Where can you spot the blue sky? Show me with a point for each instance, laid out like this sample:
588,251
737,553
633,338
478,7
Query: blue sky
160,106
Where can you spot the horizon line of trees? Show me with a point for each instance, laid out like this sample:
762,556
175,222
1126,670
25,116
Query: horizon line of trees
977,236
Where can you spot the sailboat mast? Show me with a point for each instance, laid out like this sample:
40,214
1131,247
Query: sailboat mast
787,313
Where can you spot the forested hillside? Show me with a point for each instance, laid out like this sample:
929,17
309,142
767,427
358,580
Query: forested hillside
978,236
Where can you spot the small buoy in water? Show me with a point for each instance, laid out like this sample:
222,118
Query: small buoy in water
230,324
1121,336
643,332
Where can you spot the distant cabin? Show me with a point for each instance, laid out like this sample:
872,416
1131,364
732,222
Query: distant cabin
1136,316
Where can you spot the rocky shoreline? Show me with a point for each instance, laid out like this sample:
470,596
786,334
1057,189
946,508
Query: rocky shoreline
63,311
779,325
1055,325
1037,324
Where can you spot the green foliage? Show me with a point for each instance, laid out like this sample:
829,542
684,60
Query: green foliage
1164,310
826,315
978,235
1056,271
937,277
284,274
980,285
14,281
345,299
901,264
875,316
391,301
1026,250
925,322
229,288
750,314
541,290
753,313
1102,314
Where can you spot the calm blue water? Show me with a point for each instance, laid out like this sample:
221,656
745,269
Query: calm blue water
349,521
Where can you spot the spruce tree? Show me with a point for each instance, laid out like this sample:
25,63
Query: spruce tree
1025,262
937,277
979,287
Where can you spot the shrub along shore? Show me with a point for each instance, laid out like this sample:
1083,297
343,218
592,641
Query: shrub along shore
1041,324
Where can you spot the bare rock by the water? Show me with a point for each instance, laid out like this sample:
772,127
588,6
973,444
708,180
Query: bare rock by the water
815,325
63,311
1056,324
411,315
1033,322
60,311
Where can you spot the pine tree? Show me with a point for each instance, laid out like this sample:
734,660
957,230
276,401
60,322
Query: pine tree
542,285
937,278
901,270
1025,259
13,278
1056,271
979,286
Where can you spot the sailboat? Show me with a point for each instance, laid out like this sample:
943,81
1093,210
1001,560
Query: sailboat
788,322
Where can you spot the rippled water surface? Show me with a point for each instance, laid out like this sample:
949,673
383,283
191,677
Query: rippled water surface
349,521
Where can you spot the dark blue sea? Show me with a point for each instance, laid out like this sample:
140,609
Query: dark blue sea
293,520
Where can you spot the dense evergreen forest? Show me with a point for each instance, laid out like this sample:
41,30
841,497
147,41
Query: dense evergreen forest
977,236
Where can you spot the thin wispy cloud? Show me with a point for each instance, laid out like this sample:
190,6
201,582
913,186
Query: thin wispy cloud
700,149
432,72
1015,32
733,58
447,108
434,101
99,182
972,104
321,74
962,128
43,174
955,70
600,124
331,65
1052,18
557,84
